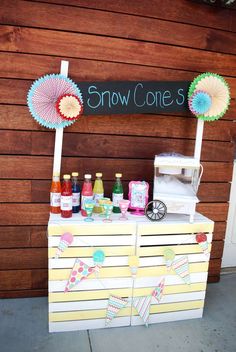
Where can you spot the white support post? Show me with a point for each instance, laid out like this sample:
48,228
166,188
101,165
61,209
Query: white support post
198,141
59,131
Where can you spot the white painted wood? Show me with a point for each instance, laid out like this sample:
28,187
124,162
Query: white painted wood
181,297
169,280
170,316
87,324
102,304
92,284
198,140
63,263
59,131
92,241
158,261
170,239
83,305
175,219
229,254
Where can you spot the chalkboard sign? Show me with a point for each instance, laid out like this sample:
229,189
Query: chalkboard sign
131,97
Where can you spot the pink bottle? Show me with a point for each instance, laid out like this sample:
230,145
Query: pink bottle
87,193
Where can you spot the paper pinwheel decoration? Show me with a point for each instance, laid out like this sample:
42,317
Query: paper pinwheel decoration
55,101
208,96
69,107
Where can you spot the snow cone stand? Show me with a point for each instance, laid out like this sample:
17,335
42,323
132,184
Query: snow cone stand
149,265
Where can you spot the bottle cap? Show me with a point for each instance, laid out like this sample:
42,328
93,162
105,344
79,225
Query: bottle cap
118,175
98,174
66,177
75,174
87,176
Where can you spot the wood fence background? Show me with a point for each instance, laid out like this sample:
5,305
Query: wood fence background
104,40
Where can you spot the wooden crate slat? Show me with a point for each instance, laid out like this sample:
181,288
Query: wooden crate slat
166,317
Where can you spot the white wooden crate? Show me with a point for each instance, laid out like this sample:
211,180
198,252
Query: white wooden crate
85,306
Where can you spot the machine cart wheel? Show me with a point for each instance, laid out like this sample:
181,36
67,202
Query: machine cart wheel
155,210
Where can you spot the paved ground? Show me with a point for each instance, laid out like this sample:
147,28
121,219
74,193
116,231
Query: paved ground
23,328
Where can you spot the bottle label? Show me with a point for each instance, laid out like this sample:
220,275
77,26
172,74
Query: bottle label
75,199
116,198
66,202
98,196
83,200
55,199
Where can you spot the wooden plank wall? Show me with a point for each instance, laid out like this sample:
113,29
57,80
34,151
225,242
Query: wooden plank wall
103,40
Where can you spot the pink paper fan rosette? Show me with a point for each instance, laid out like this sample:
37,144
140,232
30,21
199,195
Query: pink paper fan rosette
69,107
43,96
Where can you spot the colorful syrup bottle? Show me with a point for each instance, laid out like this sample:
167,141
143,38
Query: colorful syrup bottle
117,193
75,192
55,195
66,197
98,192
87,193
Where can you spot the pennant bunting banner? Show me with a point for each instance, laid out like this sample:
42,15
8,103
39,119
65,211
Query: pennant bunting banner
142,305
157,293
79,272
115,304
181,268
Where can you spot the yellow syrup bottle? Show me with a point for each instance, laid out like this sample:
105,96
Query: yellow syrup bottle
98,192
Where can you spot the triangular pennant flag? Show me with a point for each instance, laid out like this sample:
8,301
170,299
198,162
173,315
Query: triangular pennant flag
169,256
181,268
157,293
115,304
79,272
142,305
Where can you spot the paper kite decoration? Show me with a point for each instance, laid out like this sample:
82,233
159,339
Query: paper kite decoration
79,272
201,239
142,305
157,293
181,268
208,96
115,304
55,101
169,256
65,240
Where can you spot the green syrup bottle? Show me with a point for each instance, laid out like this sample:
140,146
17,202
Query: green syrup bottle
117,193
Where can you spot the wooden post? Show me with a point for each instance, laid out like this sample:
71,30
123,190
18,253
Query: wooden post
59,131
198,141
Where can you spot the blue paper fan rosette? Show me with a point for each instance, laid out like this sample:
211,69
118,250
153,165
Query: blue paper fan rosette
209,96
43,96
